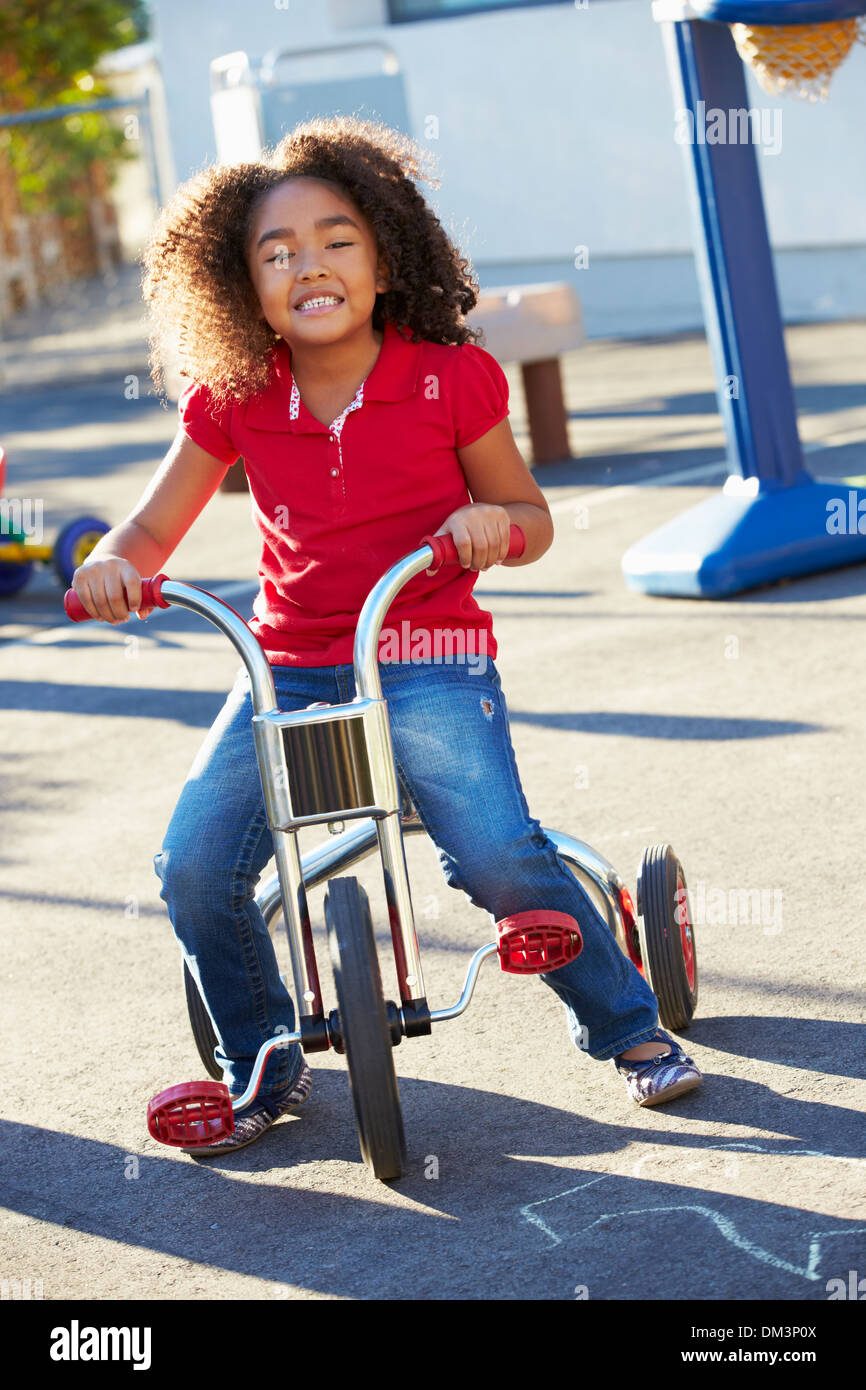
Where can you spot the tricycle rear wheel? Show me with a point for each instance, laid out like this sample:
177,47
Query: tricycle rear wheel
667,936
201,1025
200,1020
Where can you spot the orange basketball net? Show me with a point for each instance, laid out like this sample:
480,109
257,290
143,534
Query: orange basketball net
798,59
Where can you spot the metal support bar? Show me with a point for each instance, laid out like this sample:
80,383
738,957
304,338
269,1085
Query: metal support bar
771,520
439,1015
74,108
410,981
734,259
296,914
264,1052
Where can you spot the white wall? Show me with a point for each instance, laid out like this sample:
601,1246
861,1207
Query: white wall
556,124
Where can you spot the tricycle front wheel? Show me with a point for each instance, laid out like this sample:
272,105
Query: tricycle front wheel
363,1028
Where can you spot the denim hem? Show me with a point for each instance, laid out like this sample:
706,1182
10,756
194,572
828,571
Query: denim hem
270,1094
254,833
635,1041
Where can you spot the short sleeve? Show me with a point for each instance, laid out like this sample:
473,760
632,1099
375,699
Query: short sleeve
479,392
206,426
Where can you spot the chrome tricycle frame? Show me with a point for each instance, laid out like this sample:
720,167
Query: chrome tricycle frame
328,764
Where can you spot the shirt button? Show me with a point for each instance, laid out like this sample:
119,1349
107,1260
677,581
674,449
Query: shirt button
335,472
333,438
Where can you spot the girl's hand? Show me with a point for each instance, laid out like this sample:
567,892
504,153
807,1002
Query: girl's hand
481,534
100,584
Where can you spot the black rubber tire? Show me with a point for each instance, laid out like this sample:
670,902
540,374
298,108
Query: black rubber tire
200,1023
661,933
364,1028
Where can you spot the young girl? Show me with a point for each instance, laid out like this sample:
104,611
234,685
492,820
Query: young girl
319,306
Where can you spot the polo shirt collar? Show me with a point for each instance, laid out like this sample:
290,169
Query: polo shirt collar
394,377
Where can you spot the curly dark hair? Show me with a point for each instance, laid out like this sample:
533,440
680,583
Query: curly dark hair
203,302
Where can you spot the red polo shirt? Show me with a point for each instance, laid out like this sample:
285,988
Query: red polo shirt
338,504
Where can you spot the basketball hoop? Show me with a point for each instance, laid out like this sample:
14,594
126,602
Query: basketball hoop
797,59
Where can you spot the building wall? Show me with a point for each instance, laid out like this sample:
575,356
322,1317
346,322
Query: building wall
555,130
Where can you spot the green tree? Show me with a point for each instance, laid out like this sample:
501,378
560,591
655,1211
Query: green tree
48,49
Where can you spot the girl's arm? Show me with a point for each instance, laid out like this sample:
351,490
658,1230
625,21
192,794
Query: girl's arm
109,581
504,492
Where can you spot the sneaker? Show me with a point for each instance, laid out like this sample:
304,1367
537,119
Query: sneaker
656,1079
259,1115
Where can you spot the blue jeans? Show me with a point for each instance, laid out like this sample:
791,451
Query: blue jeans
452,746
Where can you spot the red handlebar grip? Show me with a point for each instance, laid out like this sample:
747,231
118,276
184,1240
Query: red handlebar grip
445,550
151,597
75,610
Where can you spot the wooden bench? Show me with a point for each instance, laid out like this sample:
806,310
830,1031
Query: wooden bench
532,325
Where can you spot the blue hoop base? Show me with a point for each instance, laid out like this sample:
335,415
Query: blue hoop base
748,535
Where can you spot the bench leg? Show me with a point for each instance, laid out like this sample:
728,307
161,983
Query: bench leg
545,407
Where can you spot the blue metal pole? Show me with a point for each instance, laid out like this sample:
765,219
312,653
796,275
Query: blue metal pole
772,520
734,260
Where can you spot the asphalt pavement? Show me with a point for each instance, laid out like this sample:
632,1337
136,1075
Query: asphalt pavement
732,730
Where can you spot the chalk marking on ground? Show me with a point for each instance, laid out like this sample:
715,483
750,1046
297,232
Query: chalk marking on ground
542,1225
815,1246
723,1224
613,494
799,1153
601,495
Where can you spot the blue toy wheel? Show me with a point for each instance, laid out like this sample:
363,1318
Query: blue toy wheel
13,578
74,543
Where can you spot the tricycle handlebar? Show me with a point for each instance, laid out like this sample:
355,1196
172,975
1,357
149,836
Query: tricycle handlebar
151,597
160,592
445,549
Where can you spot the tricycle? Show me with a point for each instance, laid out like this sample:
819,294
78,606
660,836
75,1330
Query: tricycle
334,764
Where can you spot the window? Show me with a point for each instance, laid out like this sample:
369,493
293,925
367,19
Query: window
403,11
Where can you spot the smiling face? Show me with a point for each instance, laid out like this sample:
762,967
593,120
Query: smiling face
308,243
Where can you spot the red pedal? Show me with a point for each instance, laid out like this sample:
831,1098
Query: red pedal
536,941
193,1114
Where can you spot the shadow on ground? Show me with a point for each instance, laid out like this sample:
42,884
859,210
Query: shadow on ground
500,1219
